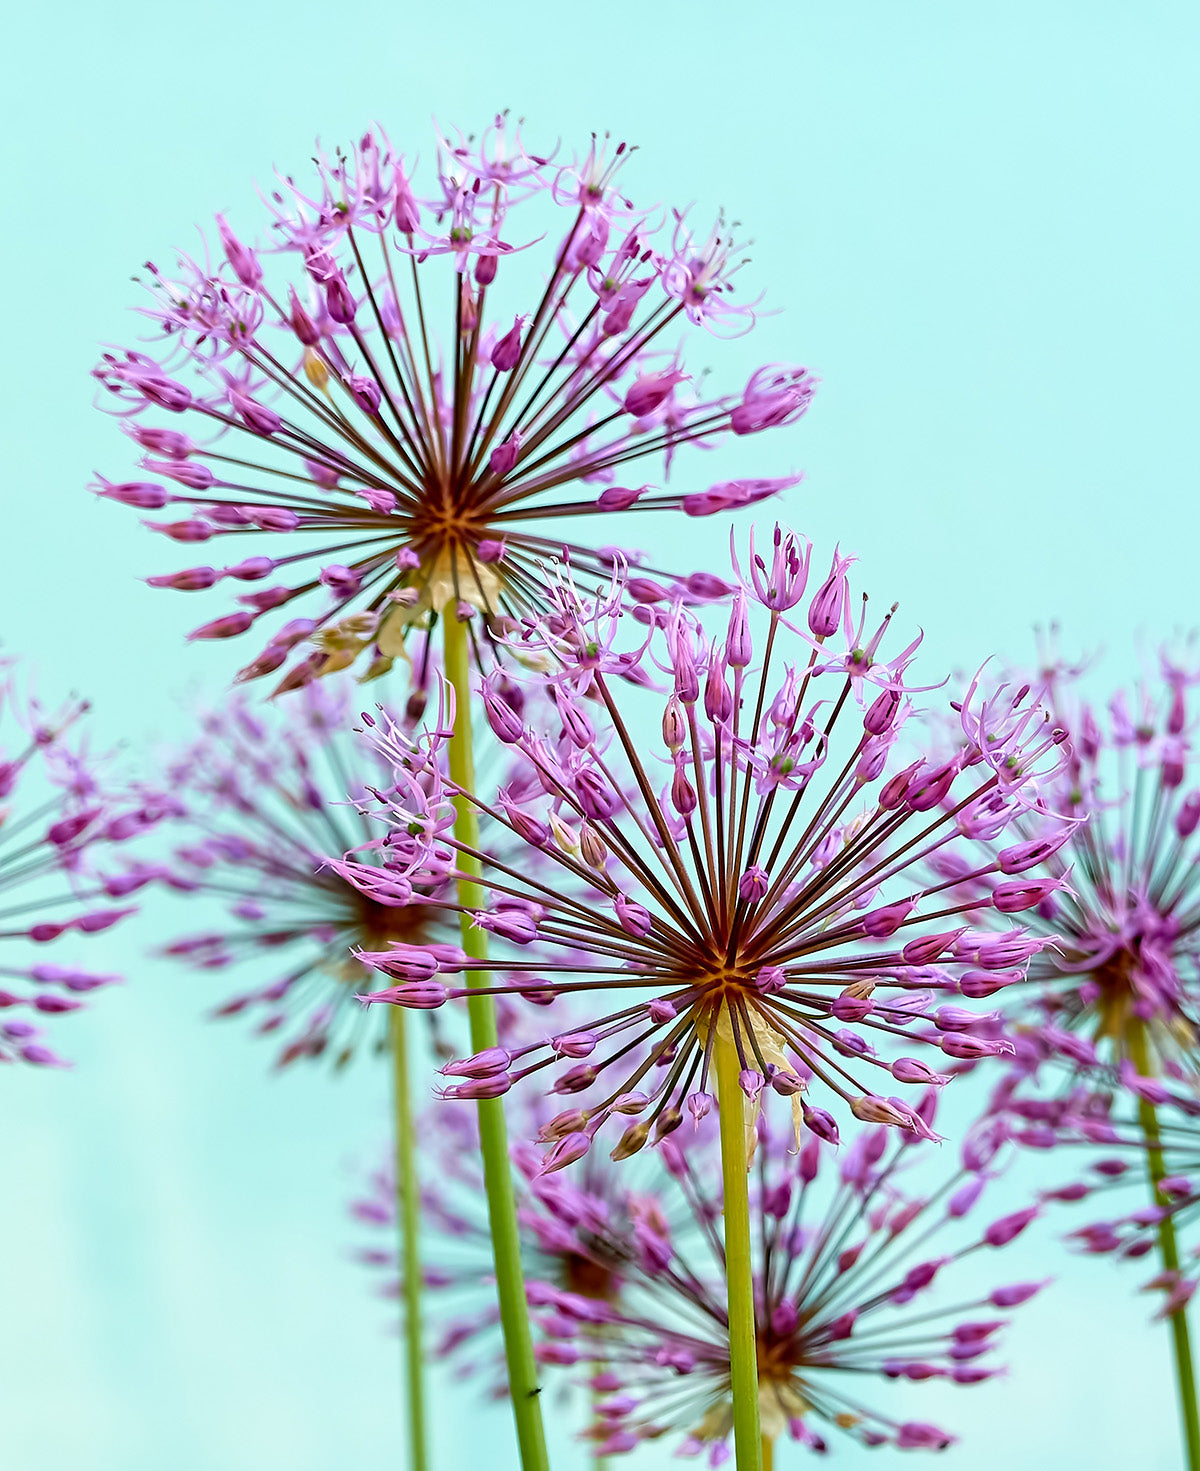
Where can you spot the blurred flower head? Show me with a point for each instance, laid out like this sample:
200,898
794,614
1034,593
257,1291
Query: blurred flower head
859,1277
1118,984
582,1234
259,800
59,813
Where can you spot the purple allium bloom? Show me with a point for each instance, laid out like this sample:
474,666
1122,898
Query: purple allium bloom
1099,1124
261,797
581,1234
757,874
55,816
1119,984
858,1276
377,469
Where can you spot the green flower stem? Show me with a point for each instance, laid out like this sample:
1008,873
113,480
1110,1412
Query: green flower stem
1185,1373
408,1213
493,1134
599,1462
739,1275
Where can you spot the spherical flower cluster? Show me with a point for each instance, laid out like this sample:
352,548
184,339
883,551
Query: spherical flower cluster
766,887
857,1278
582,1233
56,815
303,401
1118,983
1119,1150
260,799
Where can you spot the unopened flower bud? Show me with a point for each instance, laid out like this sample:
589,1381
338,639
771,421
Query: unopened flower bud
631,1140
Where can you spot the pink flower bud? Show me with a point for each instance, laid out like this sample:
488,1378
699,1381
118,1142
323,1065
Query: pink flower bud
142,495
882,712
1009,1227
825,610
619,497
965,1197
192,579
1013,898
886,921
633,917
1188,815
770,979
511,925
931,787
415,995
252,569
577,726
227,627
182,472
566,1151
1028,855
650,390
822,1124
574,1044
912,1070
683,794
980,984
739,649
674,725
482,1065
255,416
504,456
302,324
928,948
243,260
753,884
191,530
575,1079
506,724
494,1085
339,299
507,352
1015,1295
963,1045
851,1008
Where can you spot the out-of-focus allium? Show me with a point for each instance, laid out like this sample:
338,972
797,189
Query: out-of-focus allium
381,405
262,797
1120,984
581,1235
1118,1152
758,875
56,816
859,1276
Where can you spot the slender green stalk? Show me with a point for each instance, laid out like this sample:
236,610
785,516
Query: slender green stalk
493,1133
599,1462
1185,1373
408,1212
739,1274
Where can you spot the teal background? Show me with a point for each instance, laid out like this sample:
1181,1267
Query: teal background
979,224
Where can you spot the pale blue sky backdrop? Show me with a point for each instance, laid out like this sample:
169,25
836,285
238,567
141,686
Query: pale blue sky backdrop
979,225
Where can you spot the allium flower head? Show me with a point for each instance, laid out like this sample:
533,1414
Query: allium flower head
582,1234
380,404
56,815
261,797
859,1277
1122,897
1099,1127
756,875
